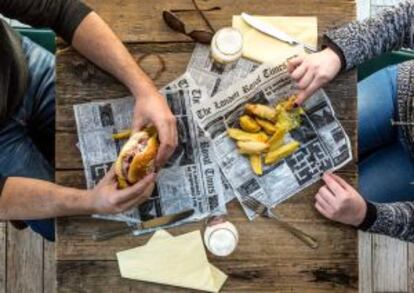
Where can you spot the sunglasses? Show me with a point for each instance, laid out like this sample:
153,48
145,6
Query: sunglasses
177,25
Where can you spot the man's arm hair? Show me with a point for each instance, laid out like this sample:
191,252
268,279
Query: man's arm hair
27,199
96,41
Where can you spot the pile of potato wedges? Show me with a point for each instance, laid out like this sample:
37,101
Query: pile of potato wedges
263,130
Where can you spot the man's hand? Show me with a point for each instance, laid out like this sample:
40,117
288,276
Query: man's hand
107,199
153,109
313,71
340,202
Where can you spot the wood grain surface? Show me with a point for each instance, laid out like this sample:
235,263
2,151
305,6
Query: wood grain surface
389,252
24,260
410,267
268,259
141,21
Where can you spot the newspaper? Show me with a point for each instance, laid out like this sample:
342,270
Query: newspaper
324,143
191,178
212,76
201,143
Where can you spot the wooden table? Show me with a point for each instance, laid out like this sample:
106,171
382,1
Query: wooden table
268,258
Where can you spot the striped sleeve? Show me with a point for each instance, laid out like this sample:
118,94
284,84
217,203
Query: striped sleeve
359,41
392,219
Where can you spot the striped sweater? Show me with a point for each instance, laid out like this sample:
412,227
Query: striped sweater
357,42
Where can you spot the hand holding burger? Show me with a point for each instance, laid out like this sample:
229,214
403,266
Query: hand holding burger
130,182
107,198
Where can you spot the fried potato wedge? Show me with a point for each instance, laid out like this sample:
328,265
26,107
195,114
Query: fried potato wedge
124,134
239,134
277,139
282,152
261,111
278,135
246,152
252,147
248,124
256,163
267,126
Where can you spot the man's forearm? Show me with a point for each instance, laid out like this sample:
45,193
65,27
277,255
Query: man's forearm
25,199
95,40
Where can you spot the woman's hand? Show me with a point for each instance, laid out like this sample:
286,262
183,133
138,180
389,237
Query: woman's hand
153,109
340,202
313,71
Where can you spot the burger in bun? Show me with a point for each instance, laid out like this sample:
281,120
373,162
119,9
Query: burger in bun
137,157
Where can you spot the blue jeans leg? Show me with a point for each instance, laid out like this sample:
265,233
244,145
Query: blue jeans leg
386,169
376,107
22,153
387,175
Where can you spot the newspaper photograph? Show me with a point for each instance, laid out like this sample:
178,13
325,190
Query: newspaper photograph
213,76
185,82
190,180
324,145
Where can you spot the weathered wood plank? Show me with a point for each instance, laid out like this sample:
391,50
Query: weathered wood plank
67,154
24,261
80,81
410,268
325,276
73,178
267,257
49,267
3,256
141,21
75,241
365,261
389,264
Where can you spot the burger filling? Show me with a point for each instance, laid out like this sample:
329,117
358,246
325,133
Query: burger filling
127,160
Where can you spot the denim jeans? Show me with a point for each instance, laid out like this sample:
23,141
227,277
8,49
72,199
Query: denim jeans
386,168
27,138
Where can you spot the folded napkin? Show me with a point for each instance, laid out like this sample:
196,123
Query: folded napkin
262,48
178,261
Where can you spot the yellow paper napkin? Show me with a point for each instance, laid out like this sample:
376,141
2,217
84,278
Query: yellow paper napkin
177,261
262,48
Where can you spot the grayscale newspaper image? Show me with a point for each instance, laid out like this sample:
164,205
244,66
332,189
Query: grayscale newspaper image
206,171
190,180
324,144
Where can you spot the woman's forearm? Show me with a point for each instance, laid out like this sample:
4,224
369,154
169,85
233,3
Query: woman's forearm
26,199
359,41
392,219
